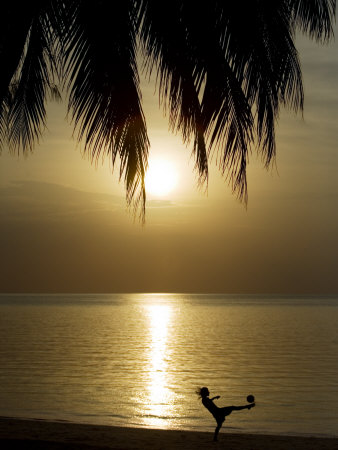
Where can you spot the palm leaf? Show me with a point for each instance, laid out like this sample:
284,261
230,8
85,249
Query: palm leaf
34,83
227,117
223,71
272,73
178,75
104,89
314,17
15,24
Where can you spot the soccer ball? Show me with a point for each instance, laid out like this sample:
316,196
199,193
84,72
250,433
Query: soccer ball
250,398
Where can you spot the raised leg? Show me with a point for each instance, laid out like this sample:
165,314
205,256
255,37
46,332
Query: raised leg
239,408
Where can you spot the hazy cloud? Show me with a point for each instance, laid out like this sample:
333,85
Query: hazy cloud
32,200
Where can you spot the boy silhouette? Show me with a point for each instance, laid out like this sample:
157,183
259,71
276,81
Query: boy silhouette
218,413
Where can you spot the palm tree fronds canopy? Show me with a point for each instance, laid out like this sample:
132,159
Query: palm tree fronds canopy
223,70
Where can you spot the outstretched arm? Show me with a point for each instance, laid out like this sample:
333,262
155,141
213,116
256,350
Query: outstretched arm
215,398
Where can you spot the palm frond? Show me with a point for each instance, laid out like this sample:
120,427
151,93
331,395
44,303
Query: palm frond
104,89
34,83
314,17
4,106
223,70
191,66
15,24
258,47
272,74
228,126
178,75
227,116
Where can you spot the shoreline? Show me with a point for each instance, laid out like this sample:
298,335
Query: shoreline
29,434
225,428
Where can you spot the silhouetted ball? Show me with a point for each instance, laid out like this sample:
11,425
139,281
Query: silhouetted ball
250,398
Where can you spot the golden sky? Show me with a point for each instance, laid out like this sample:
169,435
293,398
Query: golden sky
65,228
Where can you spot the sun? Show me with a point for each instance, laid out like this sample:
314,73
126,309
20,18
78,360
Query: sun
161,177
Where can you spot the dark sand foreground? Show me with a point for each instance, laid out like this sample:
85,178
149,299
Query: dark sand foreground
42,434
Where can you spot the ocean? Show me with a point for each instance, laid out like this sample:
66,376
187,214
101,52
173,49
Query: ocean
137,360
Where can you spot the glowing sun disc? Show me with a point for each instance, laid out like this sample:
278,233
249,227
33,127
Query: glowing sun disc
161,178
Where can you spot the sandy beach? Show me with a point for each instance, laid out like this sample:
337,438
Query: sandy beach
42,434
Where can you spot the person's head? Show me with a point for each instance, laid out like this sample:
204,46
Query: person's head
203,392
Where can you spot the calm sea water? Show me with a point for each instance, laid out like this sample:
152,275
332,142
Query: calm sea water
136,360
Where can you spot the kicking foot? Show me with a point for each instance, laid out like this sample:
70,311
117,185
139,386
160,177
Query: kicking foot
252,405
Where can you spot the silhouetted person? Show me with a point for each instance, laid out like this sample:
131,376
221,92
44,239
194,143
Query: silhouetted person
218,413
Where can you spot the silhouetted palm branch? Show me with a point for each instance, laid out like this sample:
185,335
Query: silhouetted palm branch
104,87
314,17
33,84
223,70
167,47
13,34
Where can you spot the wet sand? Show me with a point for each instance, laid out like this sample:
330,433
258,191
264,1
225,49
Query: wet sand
42,434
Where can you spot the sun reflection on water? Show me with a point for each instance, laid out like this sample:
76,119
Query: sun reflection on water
159,394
